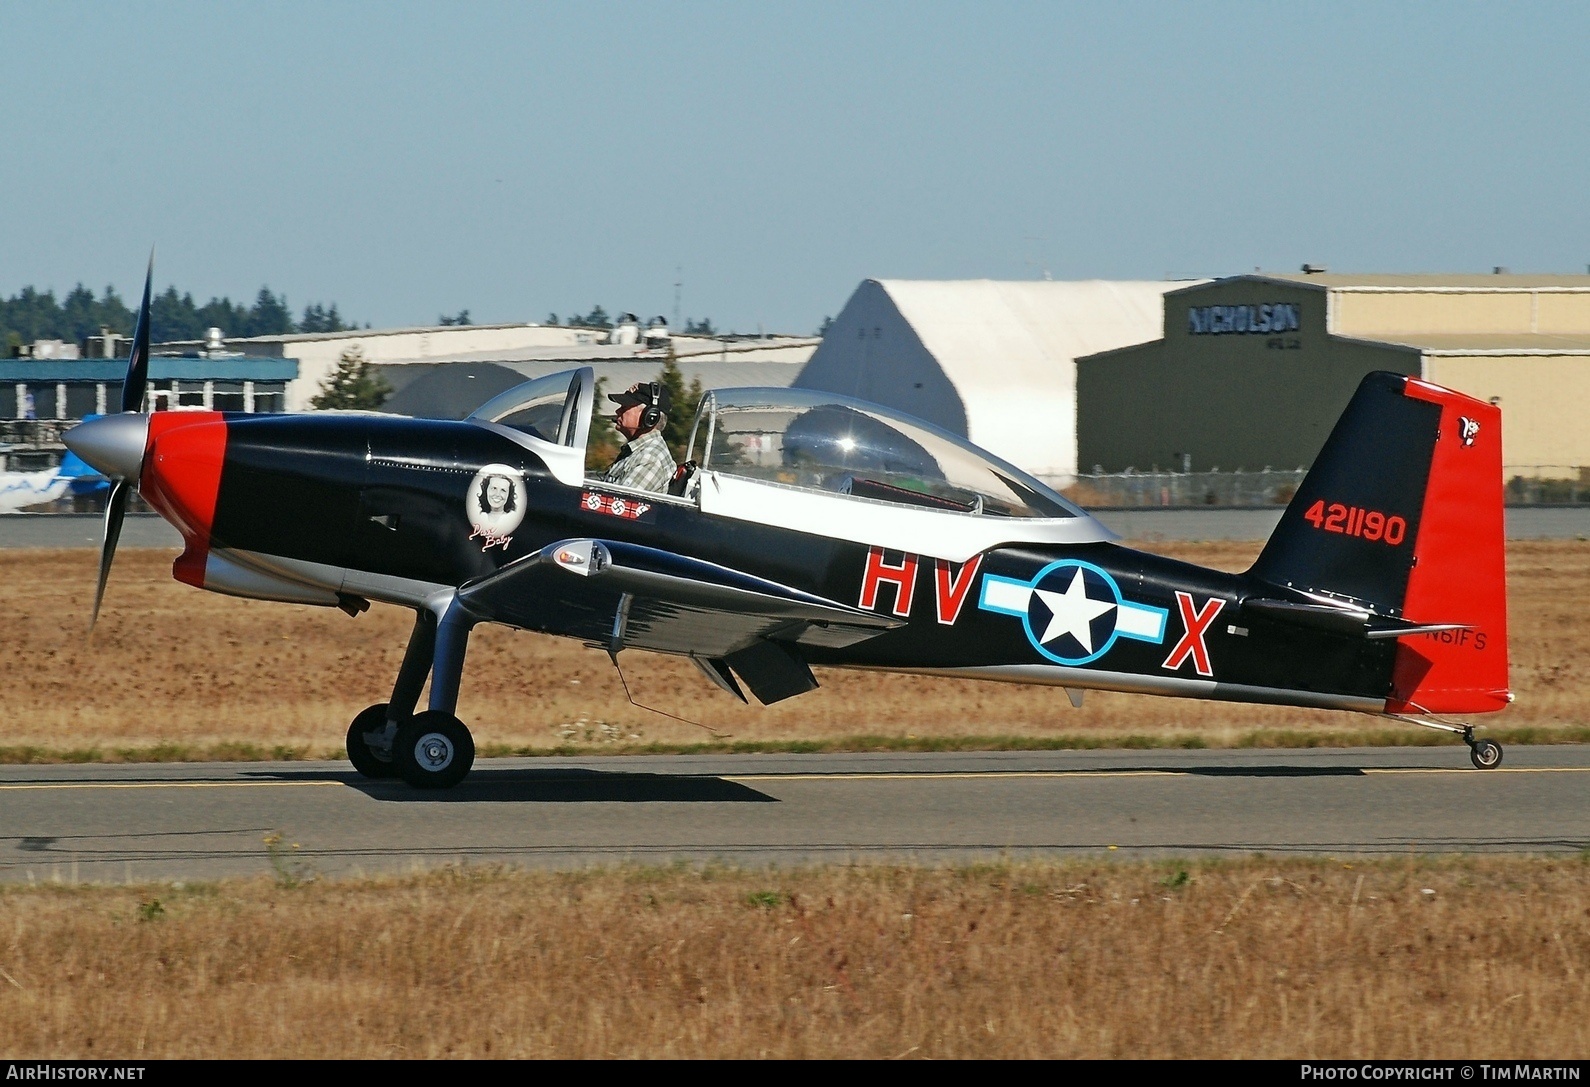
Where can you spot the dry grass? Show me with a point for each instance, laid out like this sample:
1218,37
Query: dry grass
177,673
1290,959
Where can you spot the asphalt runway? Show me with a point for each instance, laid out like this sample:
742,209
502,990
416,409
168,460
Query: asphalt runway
135,823
1523,523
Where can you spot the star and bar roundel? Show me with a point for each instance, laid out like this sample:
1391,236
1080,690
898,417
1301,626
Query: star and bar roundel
1072,611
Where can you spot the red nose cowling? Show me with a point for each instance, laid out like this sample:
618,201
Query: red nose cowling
182,478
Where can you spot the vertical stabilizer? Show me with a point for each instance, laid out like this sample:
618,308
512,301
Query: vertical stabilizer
1401,516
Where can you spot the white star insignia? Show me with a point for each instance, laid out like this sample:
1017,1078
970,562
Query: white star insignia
1072,612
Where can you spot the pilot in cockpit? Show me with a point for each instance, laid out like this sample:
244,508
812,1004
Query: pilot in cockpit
644,462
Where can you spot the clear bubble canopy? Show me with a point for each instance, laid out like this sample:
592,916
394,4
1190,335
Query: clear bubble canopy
823,441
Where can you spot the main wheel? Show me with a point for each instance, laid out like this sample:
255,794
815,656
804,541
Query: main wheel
433,750
372,762
1485,754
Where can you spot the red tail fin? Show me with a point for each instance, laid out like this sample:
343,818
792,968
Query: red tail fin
1459,570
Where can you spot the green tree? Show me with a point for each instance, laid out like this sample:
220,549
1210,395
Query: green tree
34,315
353,384
676,431
173,317
318,318
597,318
80,312
270,315
702,327
224,314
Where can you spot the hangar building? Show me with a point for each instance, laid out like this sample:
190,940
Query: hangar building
989,360
69,390
1252,371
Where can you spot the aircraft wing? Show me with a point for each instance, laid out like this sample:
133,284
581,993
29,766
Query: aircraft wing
623,595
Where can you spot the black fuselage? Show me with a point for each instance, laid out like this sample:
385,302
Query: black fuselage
385,496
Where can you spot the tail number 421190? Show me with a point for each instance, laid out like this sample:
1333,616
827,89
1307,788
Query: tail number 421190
1354,521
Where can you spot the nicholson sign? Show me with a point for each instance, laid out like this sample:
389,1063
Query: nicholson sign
1254,320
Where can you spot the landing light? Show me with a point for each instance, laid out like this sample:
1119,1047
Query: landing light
569,558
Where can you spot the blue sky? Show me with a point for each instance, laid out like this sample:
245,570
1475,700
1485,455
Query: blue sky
405,160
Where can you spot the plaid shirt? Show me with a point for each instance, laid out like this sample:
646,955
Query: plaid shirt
644,464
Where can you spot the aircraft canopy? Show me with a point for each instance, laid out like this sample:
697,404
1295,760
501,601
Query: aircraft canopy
815,440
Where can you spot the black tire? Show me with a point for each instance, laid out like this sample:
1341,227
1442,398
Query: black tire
433,750
1485,754
370,762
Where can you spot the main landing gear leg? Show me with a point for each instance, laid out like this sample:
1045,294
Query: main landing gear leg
372,733
433,750
1484,754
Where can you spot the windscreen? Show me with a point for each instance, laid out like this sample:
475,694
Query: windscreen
542,408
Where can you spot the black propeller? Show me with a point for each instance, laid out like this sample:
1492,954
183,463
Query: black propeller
132,399
132,389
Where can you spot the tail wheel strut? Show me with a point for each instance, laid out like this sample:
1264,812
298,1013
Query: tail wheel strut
1484,754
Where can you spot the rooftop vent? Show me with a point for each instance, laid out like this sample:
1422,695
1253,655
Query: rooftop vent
626,329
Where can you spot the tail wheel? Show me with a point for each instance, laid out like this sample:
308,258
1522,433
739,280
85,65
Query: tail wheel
433,750
373,761
1485,754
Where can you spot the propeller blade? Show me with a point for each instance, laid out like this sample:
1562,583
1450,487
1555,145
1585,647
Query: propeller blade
116,438
137,380
115,510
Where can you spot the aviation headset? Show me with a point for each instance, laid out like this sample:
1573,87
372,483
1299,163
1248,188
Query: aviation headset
652,411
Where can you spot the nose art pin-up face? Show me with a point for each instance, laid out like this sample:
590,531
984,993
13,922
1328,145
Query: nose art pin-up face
497,491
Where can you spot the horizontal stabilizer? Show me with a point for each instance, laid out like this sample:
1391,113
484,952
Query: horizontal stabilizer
1346,621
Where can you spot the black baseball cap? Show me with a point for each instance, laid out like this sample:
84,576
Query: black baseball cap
646,393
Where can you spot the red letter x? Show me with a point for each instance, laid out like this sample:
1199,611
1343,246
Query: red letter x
1192,643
